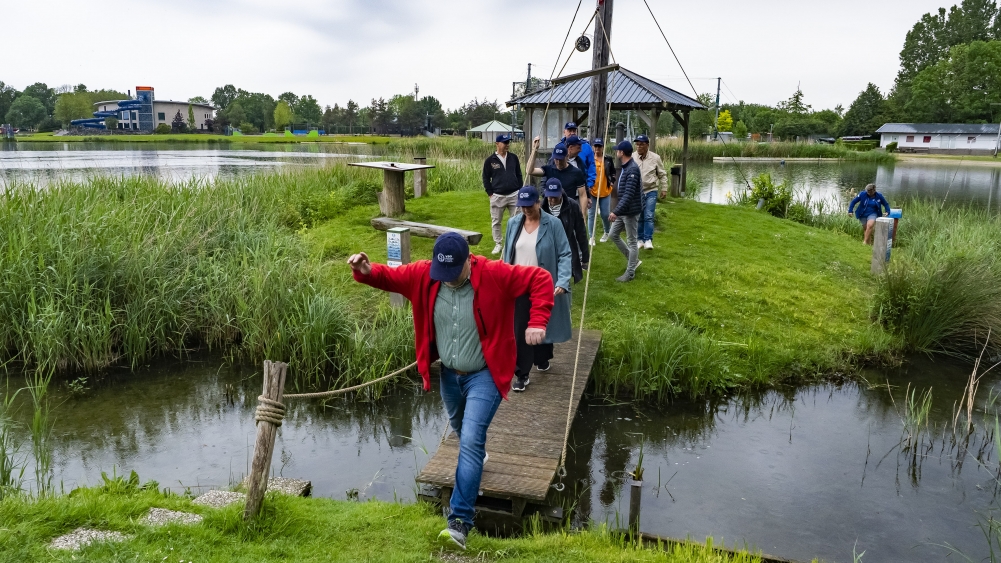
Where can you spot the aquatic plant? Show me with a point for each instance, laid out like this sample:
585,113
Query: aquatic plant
12,463
41,431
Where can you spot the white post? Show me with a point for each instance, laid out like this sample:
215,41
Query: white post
397,254
882,244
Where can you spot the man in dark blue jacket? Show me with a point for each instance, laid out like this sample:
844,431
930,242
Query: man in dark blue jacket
586,153
626,215
870,205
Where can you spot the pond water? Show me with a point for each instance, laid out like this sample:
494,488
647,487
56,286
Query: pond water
800,472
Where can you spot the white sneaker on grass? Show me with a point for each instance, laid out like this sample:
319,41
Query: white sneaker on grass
604,238
649,245
497,248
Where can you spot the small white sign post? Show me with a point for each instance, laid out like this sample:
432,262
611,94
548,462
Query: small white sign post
397,254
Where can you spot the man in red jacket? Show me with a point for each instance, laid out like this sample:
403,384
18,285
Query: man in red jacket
463,308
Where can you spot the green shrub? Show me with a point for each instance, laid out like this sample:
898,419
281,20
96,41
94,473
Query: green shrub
248,128
891,147
162,129
777,198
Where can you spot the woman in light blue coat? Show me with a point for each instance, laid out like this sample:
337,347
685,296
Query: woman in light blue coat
538,239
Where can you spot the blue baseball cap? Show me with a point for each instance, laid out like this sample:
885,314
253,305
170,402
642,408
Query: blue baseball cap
560,151
573,140
598,143
643,139
625,146
554,188
502,138
570,125
449,257
527,196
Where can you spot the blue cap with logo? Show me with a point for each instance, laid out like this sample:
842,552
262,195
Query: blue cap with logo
560,151
625,146
643,139
598,143
449,258
527,196
570,126
573,140
554,188
503,138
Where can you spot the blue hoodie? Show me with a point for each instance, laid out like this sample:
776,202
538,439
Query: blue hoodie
868,205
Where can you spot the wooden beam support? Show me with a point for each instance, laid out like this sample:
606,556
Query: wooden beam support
424,229
264,447
585,74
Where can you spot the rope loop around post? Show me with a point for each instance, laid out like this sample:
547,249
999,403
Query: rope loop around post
269,411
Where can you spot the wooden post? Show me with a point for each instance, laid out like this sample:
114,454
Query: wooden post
635,496
397,254
597,106
882,244
420,178
391,202
257,485
684,155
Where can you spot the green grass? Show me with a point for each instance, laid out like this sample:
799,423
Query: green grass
703,151
730,297
294,529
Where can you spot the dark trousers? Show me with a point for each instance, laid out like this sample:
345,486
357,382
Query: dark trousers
528,355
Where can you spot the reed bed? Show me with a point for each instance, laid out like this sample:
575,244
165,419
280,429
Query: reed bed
670,151
117,270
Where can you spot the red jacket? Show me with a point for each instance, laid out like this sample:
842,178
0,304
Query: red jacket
496,285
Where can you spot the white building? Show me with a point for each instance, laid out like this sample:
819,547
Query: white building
164,112
940,138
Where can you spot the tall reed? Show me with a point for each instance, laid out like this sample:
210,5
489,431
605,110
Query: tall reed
701,151
41,432
12,461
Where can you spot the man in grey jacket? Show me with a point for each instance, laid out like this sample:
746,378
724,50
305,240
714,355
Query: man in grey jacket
626,215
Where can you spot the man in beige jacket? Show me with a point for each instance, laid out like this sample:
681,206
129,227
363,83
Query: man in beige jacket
654,179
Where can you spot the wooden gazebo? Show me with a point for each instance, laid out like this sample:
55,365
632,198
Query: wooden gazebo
569,97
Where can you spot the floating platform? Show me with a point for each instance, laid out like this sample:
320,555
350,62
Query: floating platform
524,441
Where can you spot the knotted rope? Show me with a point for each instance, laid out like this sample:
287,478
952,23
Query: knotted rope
274,411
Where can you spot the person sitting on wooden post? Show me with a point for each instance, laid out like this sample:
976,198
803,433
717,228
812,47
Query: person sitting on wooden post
502,180
572,179
535,238
463,308
869,202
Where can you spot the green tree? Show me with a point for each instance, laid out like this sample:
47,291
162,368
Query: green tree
191,117
700,123
112,123
26,112
234,114
198,100
380,115
74,105
223,96
959,88
283,115
409,115
725,122
308,109
795,104
7,96
866,114
351,115
740,130
41,92
931,38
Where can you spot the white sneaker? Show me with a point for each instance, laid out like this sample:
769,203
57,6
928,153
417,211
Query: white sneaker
591,241
638,264
649,245
497,248
604,238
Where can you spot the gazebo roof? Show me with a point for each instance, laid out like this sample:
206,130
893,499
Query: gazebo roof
626,90
494,126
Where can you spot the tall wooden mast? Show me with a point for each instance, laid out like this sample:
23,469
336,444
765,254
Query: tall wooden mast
597,110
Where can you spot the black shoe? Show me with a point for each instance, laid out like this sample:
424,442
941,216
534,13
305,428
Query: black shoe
543,367
520,383
454,535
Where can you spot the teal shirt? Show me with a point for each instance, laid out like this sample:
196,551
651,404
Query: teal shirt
455,329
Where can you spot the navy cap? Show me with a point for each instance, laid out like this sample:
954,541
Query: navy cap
625,146
502,138
573,140
570,125
560,151
643,139
449,258
527,196
598,143
554,188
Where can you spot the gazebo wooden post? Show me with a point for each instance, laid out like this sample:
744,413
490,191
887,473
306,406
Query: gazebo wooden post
684,154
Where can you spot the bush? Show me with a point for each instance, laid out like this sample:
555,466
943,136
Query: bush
777,198
162,129
891,147
248,128
48,124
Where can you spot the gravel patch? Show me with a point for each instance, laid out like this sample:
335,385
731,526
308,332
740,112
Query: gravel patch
162,516
219,499
284,485
83,536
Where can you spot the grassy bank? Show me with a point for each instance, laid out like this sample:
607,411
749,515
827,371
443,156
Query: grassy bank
200,138
700,151
291,529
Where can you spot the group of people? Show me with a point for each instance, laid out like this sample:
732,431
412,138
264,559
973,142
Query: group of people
491,321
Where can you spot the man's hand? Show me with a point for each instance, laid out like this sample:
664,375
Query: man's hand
612,217
359,263
589,203
535,142
663,194
534,336
559,291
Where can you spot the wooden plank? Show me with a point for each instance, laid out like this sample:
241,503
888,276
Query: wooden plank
525,439
585,74
424,229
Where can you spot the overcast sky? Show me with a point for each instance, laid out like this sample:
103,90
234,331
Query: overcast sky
453,49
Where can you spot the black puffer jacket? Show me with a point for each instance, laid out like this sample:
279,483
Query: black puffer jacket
629,190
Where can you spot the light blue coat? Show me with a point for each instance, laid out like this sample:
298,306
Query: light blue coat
552,249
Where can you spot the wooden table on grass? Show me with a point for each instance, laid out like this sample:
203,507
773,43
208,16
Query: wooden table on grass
391,197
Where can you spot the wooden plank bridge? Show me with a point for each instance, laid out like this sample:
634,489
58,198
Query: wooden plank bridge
525,439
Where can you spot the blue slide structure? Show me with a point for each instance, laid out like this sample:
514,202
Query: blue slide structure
97,122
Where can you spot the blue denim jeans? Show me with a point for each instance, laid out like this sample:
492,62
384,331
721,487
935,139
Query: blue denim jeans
646,217
470,402
602,206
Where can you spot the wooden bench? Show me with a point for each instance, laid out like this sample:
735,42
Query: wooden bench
424,229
